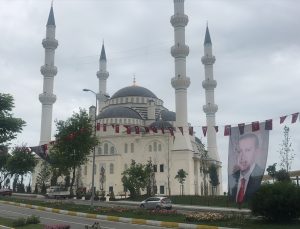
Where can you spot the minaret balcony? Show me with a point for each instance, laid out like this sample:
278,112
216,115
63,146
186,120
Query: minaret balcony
50,43
47,99
180,82
209,84
48,71
179,20
208,60
102,75
180,50
210,108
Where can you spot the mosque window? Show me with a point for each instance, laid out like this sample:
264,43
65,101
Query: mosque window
111,168
85,170
126,100
132,100
105,149
150,148
155,168
126,148
159,147
162,189
116,120
112,150
120,121
138,100
99,150
161,168
131,147
155,146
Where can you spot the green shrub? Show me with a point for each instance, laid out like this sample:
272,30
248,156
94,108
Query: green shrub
33,220
19,222
277,202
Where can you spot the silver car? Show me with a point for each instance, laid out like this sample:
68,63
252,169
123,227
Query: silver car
156,203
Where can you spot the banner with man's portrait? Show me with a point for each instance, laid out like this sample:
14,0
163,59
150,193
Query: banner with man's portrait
247,157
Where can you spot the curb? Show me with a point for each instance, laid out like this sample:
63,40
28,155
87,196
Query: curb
115,218
5,227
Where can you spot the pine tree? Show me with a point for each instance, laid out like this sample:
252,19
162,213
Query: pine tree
286,151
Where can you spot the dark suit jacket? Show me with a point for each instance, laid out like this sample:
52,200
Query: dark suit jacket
253,183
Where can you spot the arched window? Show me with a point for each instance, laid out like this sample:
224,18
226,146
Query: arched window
99,150
111,168
150,148
159,147
155,146
126,148
131,147
105,149
112,150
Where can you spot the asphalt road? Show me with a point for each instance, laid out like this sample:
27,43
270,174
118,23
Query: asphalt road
9,211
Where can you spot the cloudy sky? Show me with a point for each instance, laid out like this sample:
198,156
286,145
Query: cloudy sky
256,44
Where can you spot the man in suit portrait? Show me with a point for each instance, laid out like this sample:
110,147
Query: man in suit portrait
247,174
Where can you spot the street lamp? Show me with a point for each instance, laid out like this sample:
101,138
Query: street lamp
94,152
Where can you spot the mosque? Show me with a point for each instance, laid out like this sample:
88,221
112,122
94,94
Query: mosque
133,123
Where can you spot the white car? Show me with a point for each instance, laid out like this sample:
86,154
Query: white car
156,203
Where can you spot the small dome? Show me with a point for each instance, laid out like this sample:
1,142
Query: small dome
168,115
134,91
119,112
161,124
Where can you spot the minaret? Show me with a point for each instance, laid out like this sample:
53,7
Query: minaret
210,108
102,75
180,82
48,70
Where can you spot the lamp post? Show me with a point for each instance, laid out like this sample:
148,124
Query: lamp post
94,152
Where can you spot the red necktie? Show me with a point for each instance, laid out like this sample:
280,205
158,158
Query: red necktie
240,196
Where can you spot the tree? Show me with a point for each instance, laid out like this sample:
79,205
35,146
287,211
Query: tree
214,178
9,126
272,171
20,163
286,151
282,176
4,173
135,178
181,175
43,177
150,178
74,141
204,169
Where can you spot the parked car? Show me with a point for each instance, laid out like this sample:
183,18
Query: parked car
57,192
5,192
156,203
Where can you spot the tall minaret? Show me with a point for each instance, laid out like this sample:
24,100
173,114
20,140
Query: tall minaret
102,75
209,84
48,70
180,82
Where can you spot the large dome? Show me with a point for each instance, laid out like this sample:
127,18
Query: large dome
119,112
134,91
161,124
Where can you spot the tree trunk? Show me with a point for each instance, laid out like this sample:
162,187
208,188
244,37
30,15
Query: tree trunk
72,181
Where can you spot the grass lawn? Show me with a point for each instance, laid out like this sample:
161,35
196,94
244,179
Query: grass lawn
235,221
8,222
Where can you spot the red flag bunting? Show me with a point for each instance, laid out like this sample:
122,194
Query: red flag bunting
255,126
104,127
191,130
282,119
137,130
128,129
295,117
117,128
204,130
98,126
241,128
181,130
171,130
163,130
146,129
216,128
154,129
227,130
269,124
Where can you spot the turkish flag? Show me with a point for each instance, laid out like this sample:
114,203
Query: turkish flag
269,124
191,130
282,119
181,130
104,127
117,128
128,129
216,128
98,126
227,130
204,130
137,130
241,128
146,129
154,129
163,130
295,117
171,130
255,126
